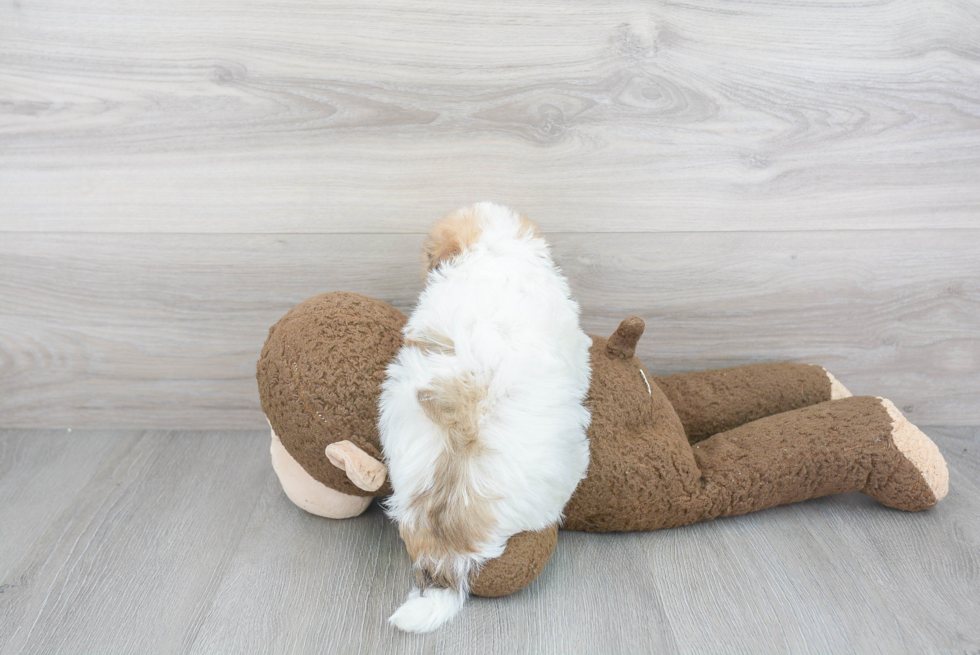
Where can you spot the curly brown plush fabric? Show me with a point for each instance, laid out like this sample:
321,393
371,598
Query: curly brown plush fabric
835,447
320,376
522,562
640,459
644,474
709,402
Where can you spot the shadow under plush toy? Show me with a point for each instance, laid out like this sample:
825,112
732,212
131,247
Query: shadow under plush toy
665,451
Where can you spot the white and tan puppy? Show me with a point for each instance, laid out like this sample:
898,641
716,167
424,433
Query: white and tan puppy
482,421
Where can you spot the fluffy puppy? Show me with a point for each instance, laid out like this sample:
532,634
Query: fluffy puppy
481,416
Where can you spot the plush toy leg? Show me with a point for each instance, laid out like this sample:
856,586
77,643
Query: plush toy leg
709,402
523,560
853,444
310,494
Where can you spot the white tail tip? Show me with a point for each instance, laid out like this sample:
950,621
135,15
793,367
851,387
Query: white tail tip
424,613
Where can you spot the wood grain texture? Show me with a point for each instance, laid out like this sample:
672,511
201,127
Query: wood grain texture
184,542
41,473
131,563
791,181
313,116
164,330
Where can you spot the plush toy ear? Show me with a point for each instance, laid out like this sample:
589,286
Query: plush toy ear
362,469
623,341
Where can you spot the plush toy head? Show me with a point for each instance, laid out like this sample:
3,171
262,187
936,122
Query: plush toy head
319,378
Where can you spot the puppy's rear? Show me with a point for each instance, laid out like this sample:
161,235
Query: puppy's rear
481,416
453,520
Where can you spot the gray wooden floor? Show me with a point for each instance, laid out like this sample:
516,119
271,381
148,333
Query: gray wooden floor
168,541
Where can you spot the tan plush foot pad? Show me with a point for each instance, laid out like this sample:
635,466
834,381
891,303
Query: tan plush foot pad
920,451
837,390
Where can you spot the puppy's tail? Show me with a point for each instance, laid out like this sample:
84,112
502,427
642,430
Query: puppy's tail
426,610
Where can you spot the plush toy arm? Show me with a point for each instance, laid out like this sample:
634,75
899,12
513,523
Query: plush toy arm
709,402
522,562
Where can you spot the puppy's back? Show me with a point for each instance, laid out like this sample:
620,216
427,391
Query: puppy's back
490,381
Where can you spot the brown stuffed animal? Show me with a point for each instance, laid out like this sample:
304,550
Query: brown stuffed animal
665,451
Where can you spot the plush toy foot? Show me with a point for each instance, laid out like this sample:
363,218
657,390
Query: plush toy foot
837,390
310,494
914,476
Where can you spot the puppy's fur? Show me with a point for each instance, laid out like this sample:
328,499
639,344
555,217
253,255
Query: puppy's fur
482,420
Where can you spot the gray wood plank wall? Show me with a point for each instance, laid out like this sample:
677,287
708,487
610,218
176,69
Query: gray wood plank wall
759,181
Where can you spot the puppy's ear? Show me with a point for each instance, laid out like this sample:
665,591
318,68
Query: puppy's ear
450,237
362,469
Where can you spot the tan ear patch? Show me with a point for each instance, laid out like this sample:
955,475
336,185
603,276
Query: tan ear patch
362,469
450,237
454,405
